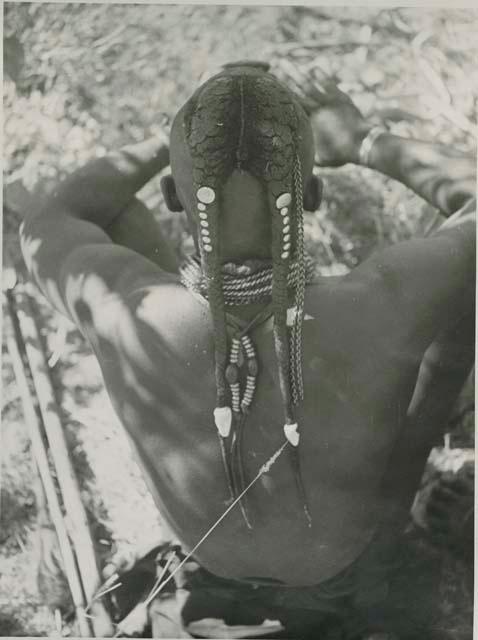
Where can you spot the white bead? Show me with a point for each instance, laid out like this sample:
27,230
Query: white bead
284,211
203,216
206,195
223,420
208,248
206,240
201,206
287,237
204,232
287,246
291,433
204,223
291,315
286,220
286,229
283,200
284,255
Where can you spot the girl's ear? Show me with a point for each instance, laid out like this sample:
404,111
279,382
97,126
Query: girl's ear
313,193
170,195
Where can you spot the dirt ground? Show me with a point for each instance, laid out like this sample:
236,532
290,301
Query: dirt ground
81,79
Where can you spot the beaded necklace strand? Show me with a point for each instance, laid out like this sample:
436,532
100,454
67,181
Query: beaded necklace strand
242,288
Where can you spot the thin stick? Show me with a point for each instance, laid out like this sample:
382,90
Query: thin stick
141,606
163,572
100,594
264,469
70,490
14,345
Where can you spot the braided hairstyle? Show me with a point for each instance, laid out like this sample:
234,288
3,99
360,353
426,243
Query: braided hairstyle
245,119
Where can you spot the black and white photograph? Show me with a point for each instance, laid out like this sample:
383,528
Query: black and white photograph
238,336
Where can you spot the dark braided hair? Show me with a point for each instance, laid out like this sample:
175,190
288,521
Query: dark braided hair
245,119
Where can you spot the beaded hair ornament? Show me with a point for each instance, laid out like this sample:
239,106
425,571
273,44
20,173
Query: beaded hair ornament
245,119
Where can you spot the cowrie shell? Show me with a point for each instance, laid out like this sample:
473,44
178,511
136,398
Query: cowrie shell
223,420
283,200
291,314
291,433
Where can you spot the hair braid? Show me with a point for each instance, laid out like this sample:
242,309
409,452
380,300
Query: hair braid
251,122
296,337
210,147
211,264
280,303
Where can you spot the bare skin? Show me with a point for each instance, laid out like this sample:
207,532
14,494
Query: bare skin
386,351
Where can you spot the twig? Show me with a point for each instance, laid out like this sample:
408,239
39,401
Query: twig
419,40
59,344
400,23
103,44
20,542
100,594
164,571
67,480
317,45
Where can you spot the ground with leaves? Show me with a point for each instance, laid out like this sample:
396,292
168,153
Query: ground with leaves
81,79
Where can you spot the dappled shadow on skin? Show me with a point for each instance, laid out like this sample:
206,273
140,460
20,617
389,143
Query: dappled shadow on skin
146,378
153,395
